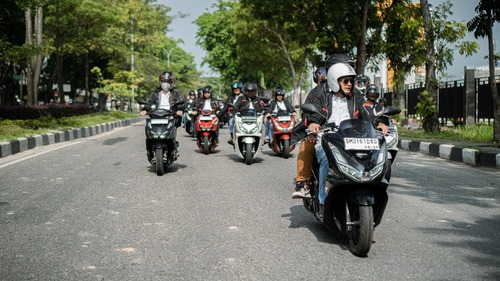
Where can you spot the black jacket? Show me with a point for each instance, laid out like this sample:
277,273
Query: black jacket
154,99
272,105
244,103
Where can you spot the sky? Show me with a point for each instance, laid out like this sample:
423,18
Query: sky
185,29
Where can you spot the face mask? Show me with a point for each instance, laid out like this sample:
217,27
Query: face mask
165,86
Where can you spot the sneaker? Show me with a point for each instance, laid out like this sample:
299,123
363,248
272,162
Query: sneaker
266,140
230,141
301,191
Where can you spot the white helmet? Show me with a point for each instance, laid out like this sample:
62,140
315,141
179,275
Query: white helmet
337,71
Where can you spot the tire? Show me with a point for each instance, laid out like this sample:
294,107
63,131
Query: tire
286,149
361,235
159,162
206,145
248,153
188,128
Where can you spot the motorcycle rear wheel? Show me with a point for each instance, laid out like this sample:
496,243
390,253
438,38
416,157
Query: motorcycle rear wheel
159,161
248,153
361,235
286,149
206,145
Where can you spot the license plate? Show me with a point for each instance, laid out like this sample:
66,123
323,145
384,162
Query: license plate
284,118
361,144
206,118
159,121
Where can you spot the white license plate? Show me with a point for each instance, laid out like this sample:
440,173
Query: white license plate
284,118
206,118
159,121
361,144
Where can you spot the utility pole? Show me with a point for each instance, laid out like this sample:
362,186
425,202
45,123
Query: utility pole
132,62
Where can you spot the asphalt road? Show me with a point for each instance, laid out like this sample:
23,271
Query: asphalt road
94,209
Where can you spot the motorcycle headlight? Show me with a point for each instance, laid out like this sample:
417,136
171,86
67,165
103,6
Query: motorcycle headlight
355,174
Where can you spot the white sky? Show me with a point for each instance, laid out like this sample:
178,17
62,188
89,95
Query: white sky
185,29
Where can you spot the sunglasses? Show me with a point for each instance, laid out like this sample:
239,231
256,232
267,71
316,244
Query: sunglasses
346,81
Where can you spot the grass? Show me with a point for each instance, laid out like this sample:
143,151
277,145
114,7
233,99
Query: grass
481,133
12,129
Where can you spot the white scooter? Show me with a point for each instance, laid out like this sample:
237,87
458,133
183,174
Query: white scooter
248,134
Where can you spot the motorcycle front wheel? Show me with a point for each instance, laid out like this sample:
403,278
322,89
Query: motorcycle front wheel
361,233
248,153
206,145
286,149
159,161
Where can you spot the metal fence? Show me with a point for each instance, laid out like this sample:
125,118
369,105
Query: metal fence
451,100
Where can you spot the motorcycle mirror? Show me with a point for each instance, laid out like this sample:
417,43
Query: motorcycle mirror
309,108
390,110
179,102
141,101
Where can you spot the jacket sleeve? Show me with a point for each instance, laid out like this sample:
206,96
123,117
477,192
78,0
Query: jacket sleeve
319,100
152,100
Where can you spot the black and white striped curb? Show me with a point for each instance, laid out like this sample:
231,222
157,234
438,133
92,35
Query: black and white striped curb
22,144
452,152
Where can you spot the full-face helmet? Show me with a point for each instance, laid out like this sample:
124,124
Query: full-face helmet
319,75
361,82
167,76
372,92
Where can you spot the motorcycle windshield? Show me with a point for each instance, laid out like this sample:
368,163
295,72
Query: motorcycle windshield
159,113
356,128
248,113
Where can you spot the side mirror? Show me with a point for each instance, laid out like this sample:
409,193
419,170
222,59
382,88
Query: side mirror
141,101
309,108
390,110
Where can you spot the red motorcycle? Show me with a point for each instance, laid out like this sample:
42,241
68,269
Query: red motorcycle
206,131
283,123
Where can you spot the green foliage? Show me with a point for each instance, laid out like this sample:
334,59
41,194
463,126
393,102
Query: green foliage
480,132
11,129
426,106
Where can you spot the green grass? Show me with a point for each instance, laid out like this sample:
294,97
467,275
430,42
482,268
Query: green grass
478,133
12,129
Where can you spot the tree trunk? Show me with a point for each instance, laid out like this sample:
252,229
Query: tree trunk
34,28
361,53
87,99
431,123
493,85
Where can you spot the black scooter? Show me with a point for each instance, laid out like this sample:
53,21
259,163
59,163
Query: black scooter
161,133
356,184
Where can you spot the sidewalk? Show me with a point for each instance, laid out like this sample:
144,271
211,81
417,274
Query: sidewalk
22,144
475,154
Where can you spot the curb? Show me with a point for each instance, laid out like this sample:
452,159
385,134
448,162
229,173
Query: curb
22,144
451,152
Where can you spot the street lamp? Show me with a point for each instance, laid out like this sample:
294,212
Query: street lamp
168,55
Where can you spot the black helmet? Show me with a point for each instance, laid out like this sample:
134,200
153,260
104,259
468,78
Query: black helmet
200,92
192,93
167,76
208,89
319,75
338,58
250,87
372,92
382,100
236,85
361,82
279,91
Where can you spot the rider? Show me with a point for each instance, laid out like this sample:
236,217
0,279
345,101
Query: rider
164,97
338,105
250,100
278,104
190,103
306,154
237,92
208,102
371,97
361,82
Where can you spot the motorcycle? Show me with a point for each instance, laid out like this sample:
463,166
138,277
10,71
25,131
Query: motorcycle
356,184
190,118
248,134
206,131
161,132
283,124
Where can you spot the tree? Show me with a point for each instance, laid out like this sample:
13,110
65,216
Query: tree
34,39
488,12
430,122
